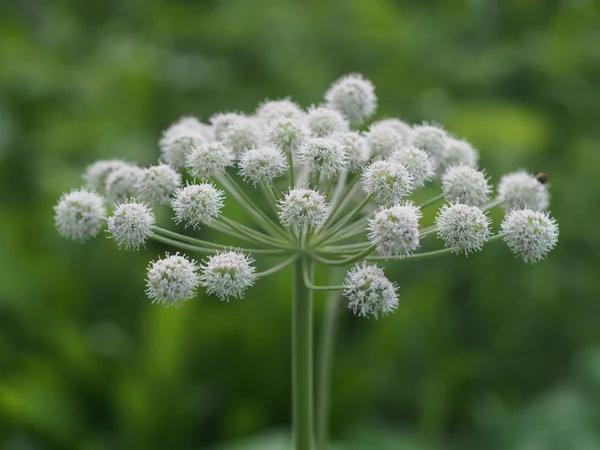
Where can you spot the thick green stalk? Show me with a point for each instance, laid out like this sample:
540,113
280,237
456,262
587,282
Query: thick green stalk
326,353
431,201
302,361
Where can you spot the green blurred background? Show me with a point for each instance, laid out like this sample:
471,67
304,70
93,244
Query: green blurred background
485,352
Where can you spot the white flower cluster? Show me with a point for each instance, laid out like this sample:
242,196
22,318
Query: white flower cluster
310,165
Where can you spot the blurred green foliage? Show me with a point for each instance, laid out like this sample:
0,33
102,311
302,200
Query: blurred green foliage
478,355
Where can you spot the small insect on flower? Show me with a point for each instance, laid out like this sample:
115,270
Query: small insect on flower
369,292
228,274
521,190
172,280
542,177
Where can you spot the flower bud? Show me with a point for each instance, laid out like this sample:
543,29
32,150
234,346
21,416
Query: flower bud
180,138
530,234
434,141
369,292
157,184
228,274
287,133
463,184
401,127
197,203
302,208
131,225
325,155
120,184
460,153
208,160
79,215
395,230
383,139
242,134
355,147
520,190
172,280
95,174
263,163
388,181
221,123
463,228
324,121
353,96
279,109
417,162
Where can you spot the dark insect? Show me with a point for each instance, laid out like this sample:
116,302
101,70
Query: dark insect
541,177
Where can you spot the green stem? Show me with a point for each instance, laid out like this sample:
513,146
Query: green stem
269,195
431,201
492,204
207,245
181,245
302,360
250,207
306,278
277,267
347,261
290,159
350,216
338,206
254,235
325,367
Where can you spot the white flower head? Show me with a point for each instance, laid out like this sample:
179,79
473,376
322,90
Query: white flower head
79,215
131,224
530,234
287,133
302,208
172,280
369,292
197,204
354,96
355,147
433,140
156,184
325,155
521,190
228,274
389,182
95,174
180,138
401,127
263,163
278,109
221,123
383,139
323,121
120,184
463,228
463,184
460,152
209,159
243,133
417,162
395,230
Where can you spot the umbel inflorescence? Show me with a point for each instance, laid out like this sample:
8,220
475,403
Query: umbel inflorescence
335,192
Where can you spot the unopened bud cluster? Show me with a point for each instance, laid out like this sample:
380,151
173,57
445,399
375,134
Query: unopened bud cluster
324,185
